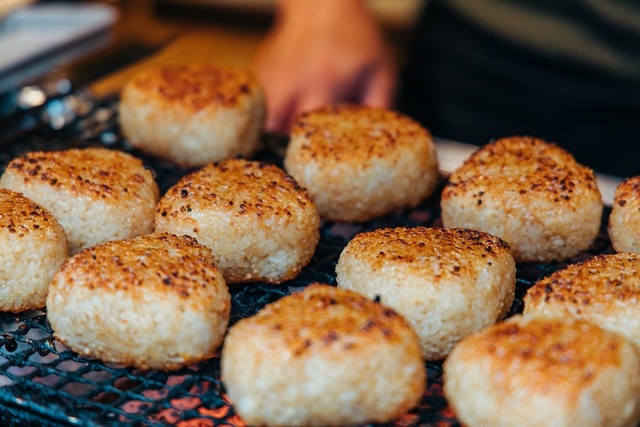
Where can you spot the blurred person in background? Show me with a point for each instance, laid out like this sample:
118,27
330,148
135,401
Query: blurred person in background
566,71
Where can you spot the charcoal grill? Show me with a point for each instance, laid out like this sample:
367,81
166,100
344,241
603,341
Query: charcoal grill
44,383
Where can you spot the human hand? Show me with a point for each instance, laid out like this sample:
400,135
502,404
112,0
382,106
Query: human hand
320,52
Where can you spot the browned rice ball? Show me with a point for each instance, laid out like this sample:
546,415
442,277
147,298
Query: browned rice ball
96,194
529,192
33,247
193,114
322,357
624,220
446,282
359,163
604,290
544,372
259,224
153,302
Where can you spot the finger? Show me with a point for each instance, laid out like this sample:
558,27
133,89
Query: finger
321,89
379,88
277,90
278,113
305,102
279,100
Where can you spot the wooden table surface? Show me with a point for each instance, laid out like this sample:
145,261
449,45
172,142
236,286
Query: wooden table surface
184,37
219,45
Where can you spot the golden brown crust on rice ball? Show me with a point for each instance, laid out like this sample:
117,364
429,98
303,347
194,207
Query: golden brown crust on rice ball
359,163
96,194
33,247
193,114
604,290
529,192
624,220
322,357
544,372
259,223
447,283
153,302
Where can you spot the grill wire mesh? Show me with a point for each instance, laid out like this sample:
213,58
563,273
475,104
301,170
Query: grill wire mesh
43,383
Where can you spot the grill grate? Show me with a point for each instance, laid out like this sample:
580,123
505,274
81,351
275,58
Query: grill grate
44,383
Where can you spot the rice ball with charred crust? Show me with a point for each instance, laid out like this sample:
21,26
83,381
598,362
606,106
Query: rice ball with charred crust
152,302
624,220
259,224
446,282
529,192
34,246
359,163
193,114
96,194
322,357
604,289
533,372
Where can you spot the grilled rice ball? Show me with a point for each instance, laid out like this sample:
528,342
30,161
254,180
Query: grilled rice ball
529,192
96,194
446,282
604,289
322,357
359,163
193,114
259,224
624,220
152,302
34,246
544,372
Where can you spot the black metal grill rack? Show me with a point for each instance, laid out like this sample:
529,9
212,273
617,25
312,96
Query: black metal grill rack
43,383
